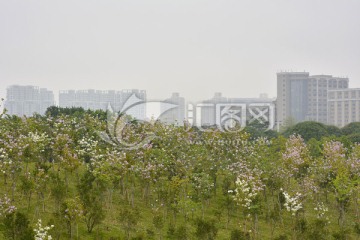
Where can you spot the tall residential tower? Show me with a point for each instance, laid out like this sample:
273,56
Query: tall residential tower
302,97
27,100
344,106
292,96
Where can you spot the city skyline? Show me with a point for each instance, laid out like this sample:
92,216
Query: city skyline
206,93
234,47
57,93
300,97
164,94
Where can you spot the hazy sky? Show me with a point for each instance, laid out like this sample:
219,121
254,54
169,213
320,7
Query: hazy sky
194,47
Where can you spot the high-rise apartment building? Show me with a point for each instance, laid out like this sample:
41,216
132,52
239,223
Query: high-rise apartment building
319,85
88,99
27,100
302,97
175,115
96,99
343,106
292,96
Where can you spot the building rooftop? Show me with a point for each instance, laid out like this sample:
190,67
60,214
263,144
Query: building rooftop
293,73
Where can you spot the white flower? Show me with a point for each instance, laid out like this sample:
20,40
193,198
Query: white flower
321,210
292,204
42,232
245,192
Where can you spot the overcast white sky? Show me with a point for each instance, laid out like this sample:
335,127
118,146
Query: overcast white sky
195,47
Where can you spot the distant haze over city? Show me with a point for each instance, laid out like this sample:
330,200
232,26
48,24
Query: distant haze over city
192,47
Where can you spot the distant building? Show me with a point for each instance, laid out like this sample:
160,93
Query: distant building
344,106
123,96
176,115
319,85
292,101
206,110
302,97
88,99
27,100
219,110
96,99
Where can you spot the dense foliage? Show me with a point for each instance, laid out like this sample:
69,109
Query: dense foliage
59,180
318,131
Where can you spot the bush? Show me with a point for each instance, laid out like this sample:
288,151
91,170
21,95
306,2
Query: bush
205,229
180,233
301,226
317,230
351,128
354,138
239,235
17,227
342,234
281,237
308,130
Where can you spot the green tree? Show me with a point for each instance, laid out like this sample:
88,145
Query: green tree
129,218
17,227
205,229
308,130
354,138
91,198
158,222
351,128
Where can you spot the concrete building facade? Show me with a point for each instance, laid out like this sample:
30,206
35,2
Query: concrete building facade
318,88
175,115
27,100
301,97
97,99
292,88
344,106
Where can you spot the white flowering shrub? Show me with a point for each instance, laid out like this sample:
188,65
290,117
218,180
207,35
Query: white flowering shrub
246,192
40,140
11,156
88,146
4,162
292,204
42,232
5,206
321,210
203,185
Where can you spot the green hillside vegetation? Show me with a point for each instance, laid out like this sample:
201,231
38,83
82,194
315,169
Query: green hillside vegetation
183,184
